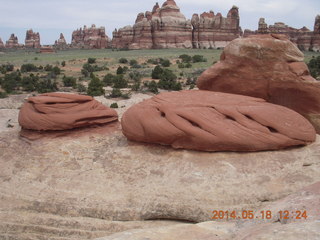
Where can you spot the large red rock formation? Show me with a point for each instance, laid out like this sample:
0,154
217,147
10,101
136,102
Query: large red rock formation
13,42
61,43
213,31
1,43
211,121
92,37
167,27
60,111
304,38
266,66
32,39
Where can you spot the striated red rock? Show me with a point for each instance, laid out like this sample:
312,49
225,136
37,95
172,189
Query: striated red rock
61,43
60,111
211,121
1,44
266,66
91,38
304,38
32,39
13,42
213,31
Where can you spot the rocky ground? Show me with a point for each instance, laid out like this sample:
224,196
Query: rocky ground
93,183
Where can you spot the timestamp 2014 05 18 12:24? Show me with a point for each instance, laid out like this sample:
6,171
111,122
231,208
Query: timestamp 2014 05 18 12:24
263,215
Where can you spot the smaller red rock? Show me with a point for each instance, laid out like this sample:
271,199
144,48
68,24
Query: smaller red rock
61,111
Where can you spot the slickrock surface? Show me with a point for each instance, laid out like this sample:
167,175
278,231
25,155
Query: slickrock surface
60,111
86,186
270,67
210,121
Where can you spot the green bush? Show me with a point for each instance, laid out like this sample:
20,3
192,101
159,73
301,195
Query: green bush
63,63
152,87
120,82
47,85
136,86
88,68
157,72
4,68
168,81
314,67
135,76
91,60
120,70
116,92
165,63
69,81
123,60
11,82
114,105
29,67
198,58
95,87
3,95
185,58
133,62
30,83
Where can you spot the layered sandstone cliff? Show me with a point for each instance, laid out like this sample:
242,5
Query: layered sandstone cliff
32,39
91,38
167,27
61,43
304,38
13,42
1,43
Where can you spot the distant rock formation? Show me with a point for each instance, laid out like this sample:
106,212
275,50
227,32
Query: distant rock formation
32,39
304,38
13,42
61,43
1,44
213,31
267,66
167,27
90,38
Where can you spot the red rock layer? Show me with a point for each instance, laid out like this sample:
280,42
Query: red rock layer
266,66
91,38
304,38
13,42
60,111
167,27
1,44
211,121
61,43
32,39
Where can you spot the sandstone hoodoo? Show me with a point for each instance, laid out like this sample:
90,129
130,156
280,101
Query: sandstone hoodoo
1,44
13,42
61,111
32,39
304,38
167,27
92,38
214,31
211,121
61,43
266,66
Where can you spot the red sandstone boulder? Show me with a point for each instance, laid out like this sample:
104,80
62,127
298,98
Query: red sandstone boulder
211,121
60,111
32,39
266,66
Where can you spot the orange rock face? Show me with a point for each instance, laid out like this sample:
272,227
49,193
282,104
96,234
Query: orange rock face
1,43
32,39
270,67
13,42
60,111
61,43
211,121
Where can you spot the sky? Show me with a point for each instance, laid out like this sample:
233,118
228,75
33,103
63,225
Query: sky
50,18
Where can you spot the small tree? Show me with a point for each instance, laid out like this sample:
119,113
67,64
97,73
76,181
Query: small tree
114,105
69,81
120,82
63,63
92,60
115,93
152,87
123,60
157,72
133,62
95,87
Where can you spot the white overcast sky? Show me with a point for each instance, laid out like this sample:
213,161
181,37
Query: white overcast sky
52,17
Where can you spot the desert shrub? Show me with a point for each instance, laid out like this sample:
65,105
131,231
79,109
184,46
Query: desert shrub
95,87
135,76
91,60
28,67
46,85
168,81
4,68
152,87
30,83
181,65
165,62
153,61
136,66
115,93
136,86
108,79
63,63
191,86
120,70
69,81
185,58
198,58
11,82
133,62
123,60
314,67
56,70
89,68
114,105
157,72
81,88
48,68
3,95
120,82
